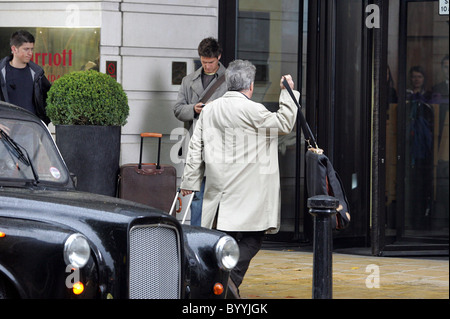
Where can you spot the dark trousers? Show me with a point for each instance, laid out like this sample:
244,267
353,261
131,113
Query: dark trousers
249,245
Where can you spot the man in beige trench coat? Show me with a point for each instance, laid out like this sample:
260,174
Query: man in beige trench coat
235,144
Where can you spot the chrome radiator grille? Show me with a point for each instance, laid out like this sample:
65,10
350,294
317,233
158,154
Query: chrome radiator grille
155,263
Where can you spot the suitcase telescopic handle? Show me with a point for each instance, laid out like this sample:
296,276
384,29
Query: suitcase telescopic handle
158,135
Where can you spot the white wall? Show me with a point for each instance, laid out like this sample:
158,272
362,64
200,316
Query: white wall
144,37
156,33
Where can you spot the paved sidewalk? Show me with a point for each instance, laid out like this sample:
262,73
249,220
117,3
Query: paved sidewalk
287,274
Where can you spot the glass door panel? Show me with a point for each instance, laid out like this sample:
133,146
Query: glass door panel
417,142
268,36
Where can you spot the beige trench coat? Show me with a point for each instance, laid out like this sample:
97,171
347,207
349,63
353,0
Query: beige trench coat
235,145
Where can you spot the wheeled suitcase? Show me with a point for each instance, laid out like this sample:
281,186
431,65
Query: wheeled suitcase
150,184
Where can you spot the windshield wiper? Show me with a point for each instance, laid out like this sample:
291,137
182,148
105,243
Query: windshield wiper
13,148
16,149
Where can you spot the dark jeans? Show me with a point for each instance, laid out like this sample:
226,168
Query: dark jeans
196,206
249,245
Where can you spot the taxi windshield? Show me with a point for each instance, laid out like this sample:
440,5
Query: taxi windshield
27,153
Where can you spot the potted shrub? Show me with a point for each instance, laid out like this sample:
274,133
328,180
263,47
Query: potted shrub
88,109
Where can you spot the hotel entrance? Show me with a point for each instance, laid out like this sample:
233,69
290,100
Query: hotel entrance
356,64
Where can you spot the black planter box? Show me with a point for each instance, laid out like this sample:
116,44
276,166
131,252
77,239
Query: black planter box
92,153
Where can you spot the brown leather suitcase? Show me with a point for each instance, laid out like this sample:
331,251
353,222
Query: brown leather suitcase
150,184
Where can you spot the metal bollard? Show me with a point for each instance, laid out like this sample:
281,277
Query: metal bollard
323,208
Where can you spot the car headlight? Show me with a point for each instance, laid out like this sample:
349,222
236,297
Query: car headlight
227,252
76,250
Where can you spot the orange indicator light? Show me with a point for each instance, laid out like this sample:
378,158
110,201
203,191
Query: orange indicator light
2,234
78,288
218,288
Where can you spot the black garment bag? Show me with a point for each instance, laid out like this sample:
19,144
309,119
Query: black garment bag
321,178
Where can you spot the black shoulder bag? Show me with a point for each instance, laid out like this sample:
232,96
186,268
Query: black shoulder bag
321,178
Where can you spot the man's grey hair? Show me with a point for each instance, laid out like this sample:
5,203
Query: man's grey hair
239,75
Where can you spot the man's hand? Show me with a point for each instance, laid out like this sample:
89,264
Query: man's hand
185,192
289,80
198,107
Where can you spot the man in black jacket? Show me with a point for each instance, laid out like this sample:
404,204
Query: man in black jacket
22,81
